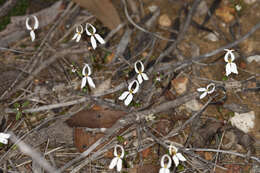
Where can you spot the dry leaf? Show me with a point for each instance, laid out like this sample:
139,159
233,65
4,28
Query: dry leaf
146,152
103,118
104,10
82,139
225,13
97,117
208,155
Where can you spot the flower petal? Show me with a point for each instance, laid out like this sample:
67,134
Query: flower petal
5,135
136,69
75,36
119,165
83,83
90,82
113,162
93,29
201,89
166,170
176,160
128,99
181,157
32,34
144,76
81,29
4,141
136,88
100,39
212,86
163,161
93,42
115,151
162,170
78,38
228,69
233,68
124,95
139,78
36,23
203,95
27,24
122,151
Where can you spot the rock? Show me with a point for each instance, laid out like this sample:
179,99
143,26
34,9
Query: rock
249,1
165,21
152,8
202,8
212,37
193,105
236,108
255,58
180,84
244,121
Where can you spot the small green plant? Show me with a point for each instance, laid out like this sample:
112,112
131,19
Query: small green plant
19,109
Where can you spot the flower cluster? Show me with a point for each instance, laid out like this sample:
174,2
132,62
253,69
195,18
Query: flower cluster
230,66
176,157
93,35
208,90
117,160
31,29
4,138
87,77
128,95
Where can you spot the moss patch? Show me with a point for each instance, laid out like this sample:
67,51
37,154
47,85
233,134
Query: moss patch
18,10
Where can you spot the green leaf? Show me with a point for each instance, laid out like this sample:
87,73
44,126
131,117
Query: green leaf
18,116
16,105
224,78
26,103
120,139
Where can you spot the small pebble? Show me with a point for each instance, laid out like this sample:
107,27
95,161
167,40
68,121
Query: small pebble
165,21
249,1
180,84
212,37
255,58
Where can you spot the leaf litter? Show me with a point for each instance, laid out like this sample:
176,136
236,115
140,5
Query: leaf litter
54,124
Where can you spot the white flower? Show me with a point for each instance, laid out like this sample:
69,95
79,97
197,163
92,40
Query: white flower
206,90
4,138
129,94
93,36
87,77
238,7
230,67
117,160
165,167
36,26
140,75
79,31
175,155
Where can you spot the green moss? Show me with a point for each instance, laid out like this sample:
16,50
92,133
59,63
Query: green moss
18,10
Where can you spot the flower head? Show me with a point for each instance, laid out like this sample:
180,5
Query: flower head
31,29
117,160
79,31
4,138
208,90
165,167
140,73
94,36
175,155
129,94
87,77
230,66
